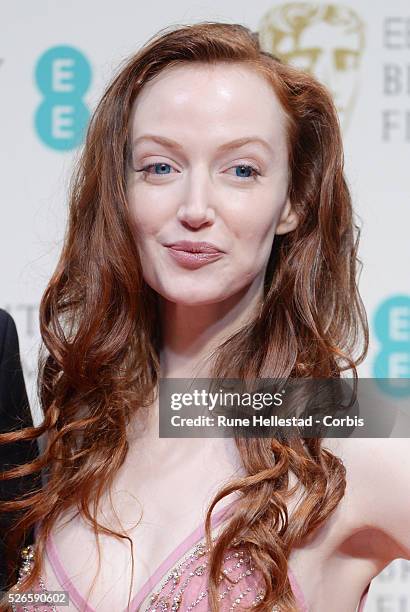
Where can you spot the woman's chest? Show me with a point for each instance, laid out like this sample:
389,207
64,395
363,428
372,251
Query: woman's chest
162,515
159,549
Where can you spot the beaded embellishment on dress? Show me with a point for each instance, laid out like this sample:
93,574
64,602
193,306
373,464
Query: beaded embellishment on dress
184,587
170,594
27,555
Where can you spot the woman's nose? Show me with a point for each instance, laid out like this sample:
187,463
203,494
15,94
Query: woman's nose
197,204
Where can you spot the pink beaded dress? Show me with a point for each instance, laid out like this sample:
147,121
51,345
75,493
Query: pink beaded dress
179,583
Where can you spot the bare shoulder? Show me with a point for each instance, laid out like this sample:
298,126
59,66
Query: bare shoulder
378,485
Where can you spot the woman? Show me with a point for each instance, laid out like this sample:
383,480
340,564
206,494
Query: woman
204,138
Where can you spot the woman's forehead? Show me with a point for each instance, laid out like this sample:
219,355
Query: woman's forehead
223,101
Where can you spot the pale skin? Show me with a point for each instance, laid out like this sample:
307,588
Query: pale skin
201,198
198,193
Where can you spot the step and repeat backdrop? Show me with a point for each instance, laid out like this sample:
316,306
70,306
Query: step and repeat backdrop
56,58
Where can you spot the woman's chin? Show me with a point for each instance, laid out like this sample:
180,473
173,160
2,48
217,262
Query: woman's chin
193,297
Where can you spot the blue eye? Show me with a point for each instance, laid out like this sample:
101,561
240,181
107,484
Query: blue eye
160,166
245,171
248,170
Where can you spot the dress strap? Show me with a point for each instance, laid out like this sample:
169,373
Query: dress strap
297,591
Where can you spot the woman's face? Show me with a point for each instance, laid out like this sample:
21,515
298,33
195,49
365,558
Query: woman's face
190,179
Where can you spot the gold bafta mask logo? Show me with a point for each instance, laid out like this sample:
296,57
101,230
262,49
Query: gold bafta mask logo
326,40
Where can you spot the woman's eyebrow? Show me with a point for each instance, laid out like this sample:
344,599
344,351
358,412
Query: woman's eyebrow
233,144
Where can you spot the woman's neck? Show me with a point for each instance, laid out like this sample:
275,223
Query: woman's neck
190,333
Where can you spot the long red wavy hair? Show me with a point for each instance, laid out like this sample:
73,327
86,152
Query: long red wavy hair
99,322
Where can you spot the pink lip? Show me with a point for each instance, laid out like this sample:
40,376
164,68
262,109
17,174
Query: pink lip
193,260
194,247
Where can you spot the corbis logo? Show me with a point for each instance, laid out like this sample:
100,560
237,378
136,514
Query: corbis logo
63,75
326,40
392,329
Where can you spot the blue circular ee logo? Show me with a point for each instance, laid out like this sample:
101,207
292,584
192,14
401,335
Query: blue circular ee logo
392,329
63,75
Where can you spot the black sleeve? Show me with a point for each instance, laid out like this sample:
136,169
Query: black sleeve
14,414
